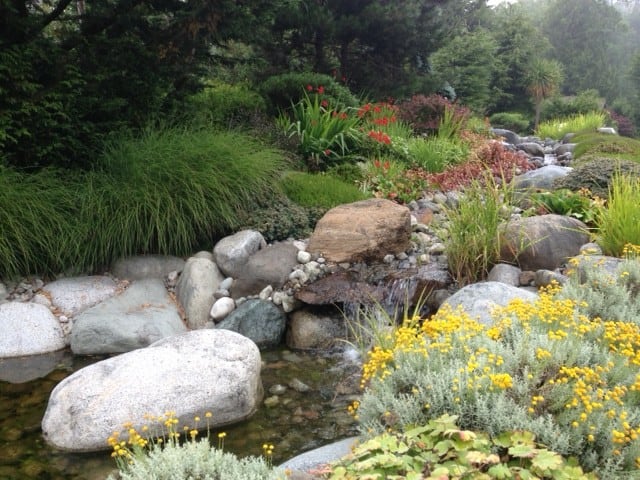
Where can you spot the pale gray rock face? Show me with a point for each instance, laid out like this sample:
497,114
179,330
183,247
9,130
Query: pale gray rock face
268,266
543,242
479,299
196,288
505,273
144,313
215,371
75,294
542,178
146,266
531,148
28,329
232,252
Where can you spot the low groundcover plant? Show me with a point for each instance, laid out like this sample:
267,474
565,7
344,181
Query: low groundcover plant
543,367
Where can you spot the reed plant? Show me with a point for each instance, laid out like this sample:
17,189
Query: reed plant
618,222
558,128
37,221
473,229
434,154
170,189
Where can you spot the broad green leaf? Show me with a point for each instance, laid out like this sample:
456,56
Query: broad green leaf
500,471
546,461
522,451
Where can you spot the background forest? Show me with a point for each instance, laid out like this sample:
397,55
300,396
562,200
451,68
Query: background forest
103,105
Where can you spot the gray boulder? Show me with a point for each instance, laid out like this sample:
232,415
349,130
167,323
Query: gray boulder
540,178
195,290
144,313
564,148
75,294
479,299
192,373
233,252
505,273
542,242
259,320
314,328
508,135
28,329
268,266
146,266
533,149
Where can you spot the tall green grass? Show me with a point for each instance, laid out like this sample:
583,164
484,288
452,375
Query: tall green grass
434,154
619,222
318,190
558,128
165,192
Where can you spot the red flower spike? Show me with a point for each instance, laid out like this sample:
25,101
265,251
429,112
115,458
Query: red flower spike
309,88
320,89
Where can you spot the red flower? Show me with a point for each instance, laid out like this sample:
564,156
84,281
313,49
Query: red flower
324,103
327,152
320,89
309,88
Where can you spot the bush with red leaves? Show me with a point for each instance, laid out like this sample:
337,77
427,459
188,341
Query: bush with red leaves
625,125
424,113
491,158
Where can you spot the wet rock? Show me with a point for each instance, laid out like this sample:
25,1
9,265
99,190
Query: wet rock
259,320
540,178
339,288
315,328
299,386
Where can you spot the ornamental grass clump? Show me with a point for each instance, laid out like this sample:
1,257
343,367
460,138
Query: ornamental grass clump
170,452
572,381
619,221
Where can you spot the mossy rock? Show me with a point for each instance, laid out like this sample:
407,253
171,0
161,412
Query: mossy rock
596,174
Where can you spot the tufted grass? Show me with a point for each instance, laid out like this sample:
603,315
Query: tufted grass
583,122
619,222
319,190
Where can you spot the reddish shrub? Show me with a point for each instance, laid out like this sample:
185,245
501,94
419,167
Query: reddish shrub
424,113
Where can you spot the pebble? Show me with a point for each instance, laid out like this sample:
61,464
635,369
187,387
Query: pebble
277,389
299,386
303,257
265,293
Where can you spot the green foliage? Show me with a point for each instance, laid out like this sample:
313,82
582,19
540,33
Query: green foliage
608,293
607,145
567,202
37,221
584,102
284,90
324,135
225,105
473,227
352,173
435,153
319,190
514,121
570,380
279,219
595,174
440,449
391,180
559,127
469,64
542,79
619,222
195,459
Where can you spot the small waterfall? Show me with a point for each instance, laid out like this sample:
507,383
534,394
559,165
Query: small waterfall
550,159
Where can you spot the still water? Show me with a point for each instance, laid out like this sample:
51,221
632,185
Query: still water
294,422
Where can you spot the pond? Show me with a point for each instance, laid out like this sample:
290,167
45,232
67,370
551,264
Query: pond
294,422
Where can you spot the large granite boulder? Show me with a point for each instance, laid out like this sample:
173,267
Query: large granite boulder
362,231
192,373
268,266
195,290
259,320
233,252
75,294
478,299
146,266
542,242
28,329
144,313
541,178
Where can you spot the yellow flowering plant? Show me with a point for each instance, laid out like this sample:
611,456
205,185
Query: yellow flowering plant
543,367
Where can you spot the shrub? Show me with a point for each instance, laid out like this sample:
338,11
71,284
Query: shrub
279,219
585,102
563,201
38,213
391,180
570,380
601,293
473,230
619,222
225,105
324,135
440,449
425,113
513,121
282,91
170,189
595,174
624,125
601,143
317,190
559,127
434,154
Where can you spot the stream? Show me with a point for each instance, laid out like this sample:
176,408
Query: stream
294,421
